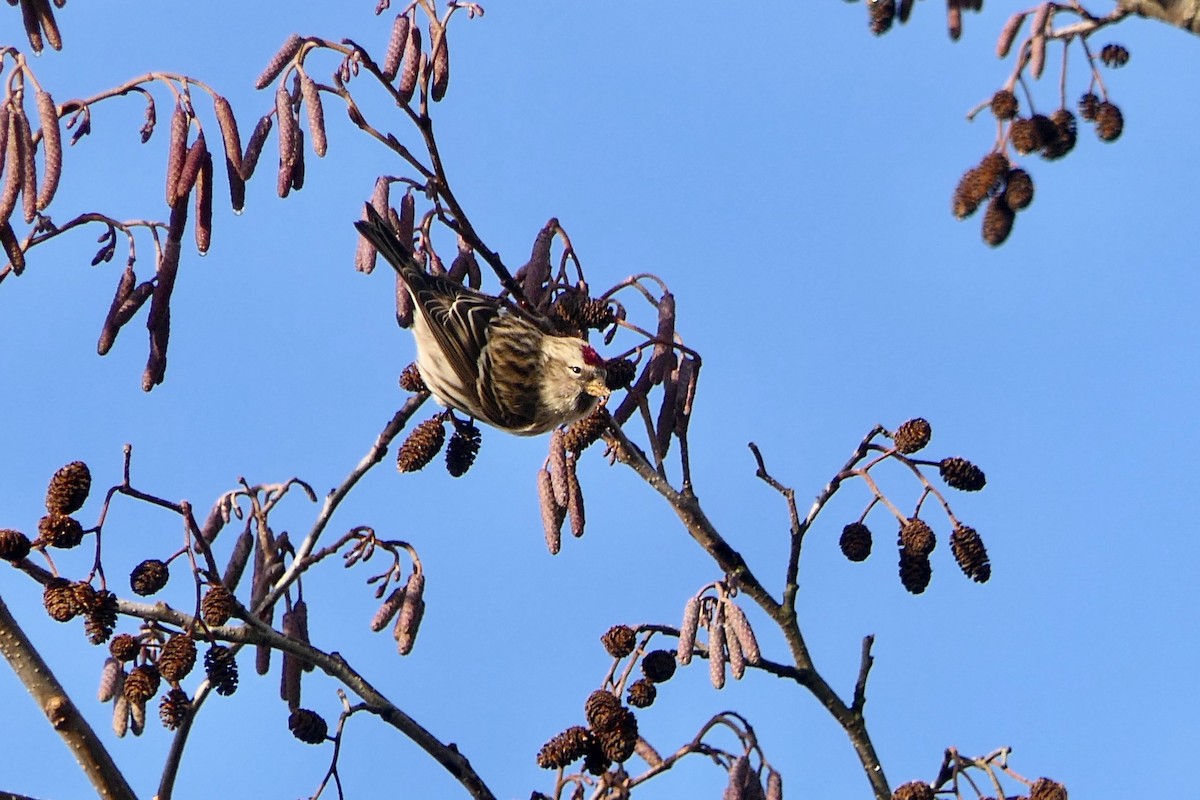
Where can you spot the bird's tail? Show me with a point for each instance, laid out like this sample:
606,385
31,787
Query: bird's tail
379,233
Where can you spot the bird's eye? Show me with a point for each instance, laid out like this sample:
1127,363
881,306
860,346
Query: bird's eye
576,369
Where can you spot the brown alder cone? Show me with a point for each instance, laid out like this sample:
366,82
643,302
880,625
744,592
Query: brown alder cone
176,149
68,489
12,247
282,57
412,65
395,48
51,148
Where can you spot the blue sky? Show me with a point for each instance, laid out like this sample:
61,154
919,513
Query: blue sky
789,176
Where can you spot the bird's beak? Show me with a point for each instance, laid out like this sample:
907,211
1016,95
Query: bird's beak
597,388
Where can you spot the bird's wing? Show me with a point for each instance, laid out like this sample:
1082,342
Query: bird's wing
457,317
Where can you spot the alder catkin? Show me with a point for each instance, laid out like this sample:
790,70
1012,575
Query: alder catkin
12,247
237,560
687,630
574,502
176,150
717,656
388,610
282,57
204,203
12,177
740,626
258,138
1009,33
316,115
412,609
231,139
440,66
51,148
557,467
49,25
108,332
28,162
412,65
552,513
395,47
288,138
33,28
365,254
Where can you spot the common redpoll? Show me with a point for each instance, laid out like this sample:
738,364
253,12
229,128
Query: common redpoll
486,357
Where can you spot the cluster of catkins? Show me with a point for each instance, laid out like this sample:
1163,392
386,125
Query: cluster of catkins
916,540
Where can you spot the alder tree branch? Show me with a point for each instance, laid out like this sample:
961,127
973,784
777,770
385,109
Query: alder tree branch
35,674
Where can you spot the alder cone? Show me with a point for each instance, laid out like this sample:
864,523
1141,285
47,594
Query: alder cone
69,488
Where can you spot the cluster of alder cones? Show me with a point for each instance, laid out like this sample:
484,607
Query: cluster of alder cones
916,539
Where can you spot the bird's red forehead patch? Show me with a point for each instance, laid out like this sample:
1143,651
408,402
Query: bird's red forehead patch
591,357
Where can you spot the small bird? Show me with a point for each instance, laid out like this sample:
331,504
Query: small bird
488,358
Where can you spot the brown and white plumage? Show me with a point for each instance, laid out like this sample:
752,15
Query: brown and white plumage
487,358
